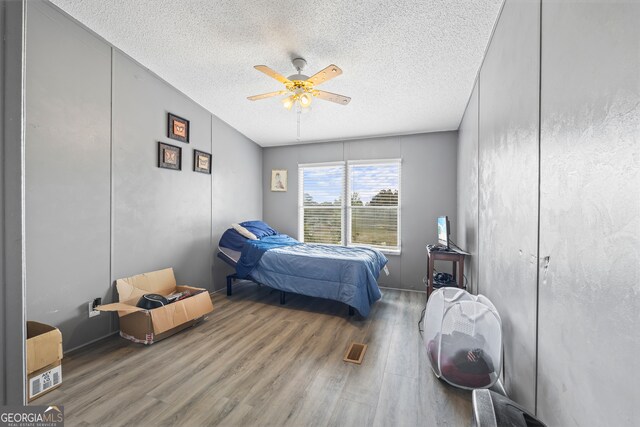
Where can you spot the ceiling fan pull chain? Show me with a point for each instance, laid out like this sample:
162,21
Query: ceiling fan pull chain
299,112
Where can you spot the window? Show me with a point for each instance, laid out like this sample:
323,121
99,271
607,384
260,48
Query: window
321,202
357,204
374,208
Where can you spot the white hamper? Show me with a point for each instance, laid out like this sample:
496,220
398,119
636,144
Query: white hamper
463,338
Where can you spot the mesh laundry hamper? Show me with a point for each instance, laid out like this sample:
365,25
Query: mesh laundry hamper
463,338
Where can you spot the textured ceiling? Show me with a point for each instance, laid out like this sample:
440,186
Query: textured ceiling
409,66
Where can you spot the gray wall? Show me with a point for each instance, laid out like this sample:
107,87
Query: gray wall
67,184
12,324
98,208
508,188
571,332
589,324
428,190
237,186
161,217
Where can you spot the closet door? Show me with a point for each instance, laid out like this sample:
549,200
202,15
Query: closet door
590,214
468,189
508,188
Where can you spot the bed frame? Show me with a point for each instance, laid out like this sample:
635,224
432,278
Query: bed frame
234,276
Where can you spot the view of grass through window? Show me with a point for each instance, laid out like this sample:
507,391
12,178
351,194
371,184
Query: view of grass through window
323,226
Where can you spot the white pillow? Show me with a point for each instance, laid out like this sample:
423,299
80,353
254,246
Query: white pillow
246,233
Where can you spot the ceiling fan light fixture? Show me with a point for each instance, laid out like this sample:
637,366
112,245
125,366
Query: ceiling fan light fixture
305,100
288,102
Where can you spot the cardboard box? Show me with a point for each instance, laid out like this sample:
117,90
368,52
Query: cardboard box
148,326
44,355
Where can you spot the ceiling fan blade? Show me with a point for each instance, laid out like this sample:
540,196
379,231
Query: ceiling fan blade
324,75
266,95
333,97
269,72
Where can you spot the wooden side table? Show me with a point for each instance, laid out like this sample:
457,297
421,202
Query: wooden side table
445,255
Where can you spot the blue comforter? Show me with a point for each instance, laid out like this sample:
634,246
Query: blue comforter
346,274
252,252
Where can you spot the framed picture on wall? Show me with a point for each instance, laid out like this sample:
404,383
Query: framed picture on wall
279,180
169,156
201,161
178,128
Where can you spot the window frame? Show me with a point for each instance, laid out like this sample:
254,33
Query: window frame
387,250
345,206
301,206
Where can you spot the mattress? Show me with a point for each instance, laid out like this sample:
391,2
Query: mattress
229,256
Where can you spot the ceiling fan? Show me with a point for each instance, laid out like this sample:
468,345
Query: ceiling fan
299,88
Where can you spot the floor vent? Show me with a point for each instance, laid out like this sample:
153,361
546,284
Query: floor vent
355,353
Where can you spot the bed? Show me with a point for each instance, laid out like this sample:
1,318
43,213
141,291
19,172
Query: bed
345,274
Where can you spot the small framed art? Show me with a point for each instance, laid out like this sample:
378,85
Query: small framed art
169,156
201,161
178,128
279,180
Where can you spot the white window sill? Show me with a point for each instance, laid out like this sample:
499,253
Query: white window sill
384,251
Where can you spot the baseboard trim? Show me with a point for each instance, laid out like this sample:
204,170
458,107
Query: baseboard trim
400,289
89,343
235,283
242,282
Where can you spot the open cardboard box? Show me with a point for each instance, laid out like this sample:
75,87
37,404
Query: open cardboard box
148,326
44,353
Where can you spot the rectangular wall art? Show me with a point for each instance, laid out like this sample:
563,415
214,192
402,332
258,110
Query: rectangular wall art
169,156
279,180
178,128
201,161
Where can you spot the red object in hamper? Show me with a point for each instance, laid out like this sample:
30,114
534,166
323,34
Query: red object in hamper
463,338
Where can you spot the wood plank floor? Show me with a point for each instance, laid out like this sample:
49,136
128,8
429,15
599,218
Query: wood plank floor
255,362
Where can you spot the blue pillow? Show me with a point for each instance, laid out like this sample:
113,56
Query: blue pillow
233,240
259,228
